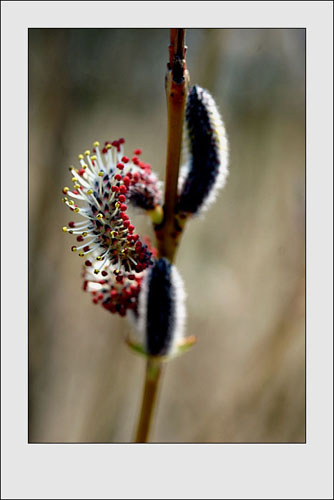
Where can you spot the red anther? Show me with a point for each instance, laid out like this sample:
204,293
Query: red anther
131,276
85,285
123,189
119,279
118,177
102,282
120,166
121,140
131,228
142,256
126,180
126,223
135,237
104,273
123,207
129,238
129,174
124,216
88,263
100,296
75,191
104,151
139,267
115,144
125,159
136,177
86,249
121,198
137,152
135,160
80,238
71,224
95,300
73,248
115,189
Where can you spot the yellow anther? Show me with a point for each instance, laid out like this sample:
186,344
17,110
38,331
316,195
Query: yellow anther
81,254
99,216
117,205
65,190
71,168
77,186
65,229
74,179
76,210
64,199
71,202
101,173
87,152
90,191
93,158
96,271
116,271
70,231
84,234
80,157
96,144
74,249
98,257
108,146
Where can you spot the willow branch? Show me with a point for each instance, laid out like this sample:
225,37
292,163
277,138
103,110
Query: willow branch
169,229
176,93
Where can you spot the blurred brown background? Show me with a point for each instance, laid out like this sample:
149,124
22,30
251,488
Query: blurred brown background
243,264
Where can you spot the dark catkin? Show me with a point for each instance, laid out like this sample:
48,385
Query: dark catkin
161,309
206,149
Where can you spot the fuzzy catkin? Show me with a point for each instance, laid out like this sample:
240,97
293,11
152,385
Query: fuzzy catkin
206,149
161,309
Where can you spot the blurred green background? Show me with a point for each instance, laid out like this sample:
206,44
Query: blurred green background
243,263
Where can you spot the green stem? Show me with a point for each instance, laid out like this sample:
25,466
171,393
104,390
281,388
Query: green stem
152,378
169,230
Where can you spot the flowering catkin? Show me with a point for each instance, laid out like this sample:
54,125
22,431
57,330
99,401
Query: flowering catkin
104,183
161,311
206,150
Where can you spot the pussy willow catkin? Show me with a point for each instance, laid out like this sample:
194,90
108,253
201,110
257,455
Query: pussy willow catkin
205,151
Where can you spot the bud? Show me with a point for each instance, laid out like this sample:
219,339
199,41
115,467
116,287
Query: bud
206,150
161,311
